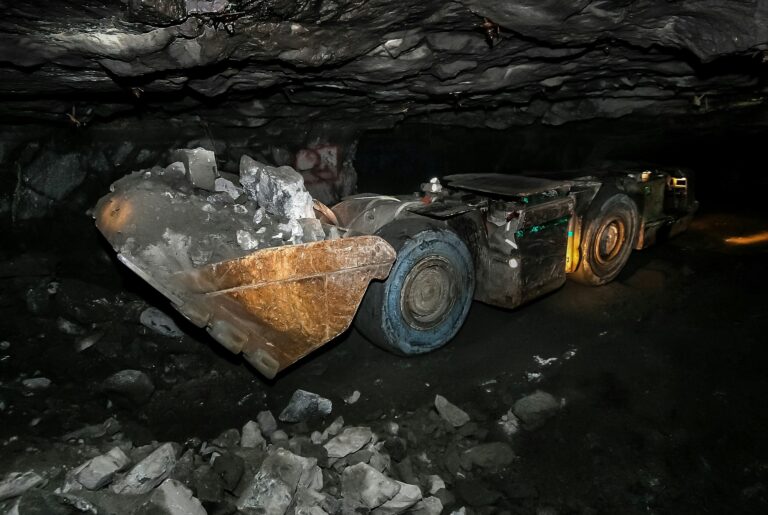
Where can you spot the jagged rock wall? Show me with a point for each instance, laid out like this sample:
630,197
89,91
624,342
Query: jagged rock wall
372,63
45,172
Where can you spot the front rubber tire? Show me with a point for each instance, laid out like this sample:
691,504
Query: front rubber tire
610,233
426,298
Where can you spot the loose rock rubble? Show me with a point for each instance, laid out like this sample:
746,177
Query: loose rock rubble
429,462
207,216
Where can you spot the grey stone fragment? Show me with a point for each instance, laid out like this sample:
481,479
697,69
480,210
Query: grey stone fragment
272,489
36,383
251,436
159,322
450,412
535,409
99,471
309,502
149,472
305,405
230,468
16,483
133,384
333,429
200,167
68,327
379,460
493,455
278,437
172,498
227,439
247,240
362,486
312,229
208,485
280,191
108,427
267,422
224,185
509,423
75,501
407,496
428,506
351,439
436,483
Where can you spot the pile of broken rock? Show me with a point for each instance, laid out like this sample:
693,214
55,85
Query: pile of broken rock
201,216
261,469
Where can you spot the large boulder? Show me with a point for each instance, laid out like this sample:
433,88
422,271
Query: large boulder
280,191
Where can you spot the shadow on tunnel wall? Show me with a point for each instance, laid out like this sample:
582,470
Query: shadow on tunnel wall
728,158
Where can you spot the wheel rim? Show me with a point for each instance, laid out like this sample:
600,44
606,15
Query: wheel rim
429,293
610,240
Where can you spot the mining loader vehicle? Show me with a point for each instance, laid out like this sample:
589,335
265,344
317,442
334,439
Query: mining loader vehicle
407,268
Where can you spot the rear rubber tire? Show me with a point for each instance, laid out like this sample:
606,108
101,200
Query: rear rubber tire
426,298
610,231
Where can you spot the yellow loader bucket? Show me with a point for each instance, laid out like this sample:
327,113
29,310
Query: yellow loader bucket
275,305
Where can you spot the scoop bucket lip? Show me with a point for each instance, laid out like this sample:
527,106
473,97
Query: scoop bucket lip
275,305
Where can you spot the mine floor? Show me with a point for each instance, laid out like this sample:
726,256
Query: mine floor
663,373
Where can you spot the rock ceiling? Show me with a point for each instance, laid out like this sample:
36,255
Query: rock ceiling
491,63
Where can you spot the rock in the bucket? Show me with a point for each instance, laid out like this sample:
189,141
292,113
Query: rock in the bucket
362,486
247,240
312,229
172,498
199,165
149,472
226,186
535,409
351,439
99,471
267,423
304,406
280,191
133,384
272,489
450,412
159,322
251,436
16,483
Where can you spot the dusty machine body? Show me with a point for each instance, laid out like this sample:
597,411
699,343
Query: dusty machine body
409,266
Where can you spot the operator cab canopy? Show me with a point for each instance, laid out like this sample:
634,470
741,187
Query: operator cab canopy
511,186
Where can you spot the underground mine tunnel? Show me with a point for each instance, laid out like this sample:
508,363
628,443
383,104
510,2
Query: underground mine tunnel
335,257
